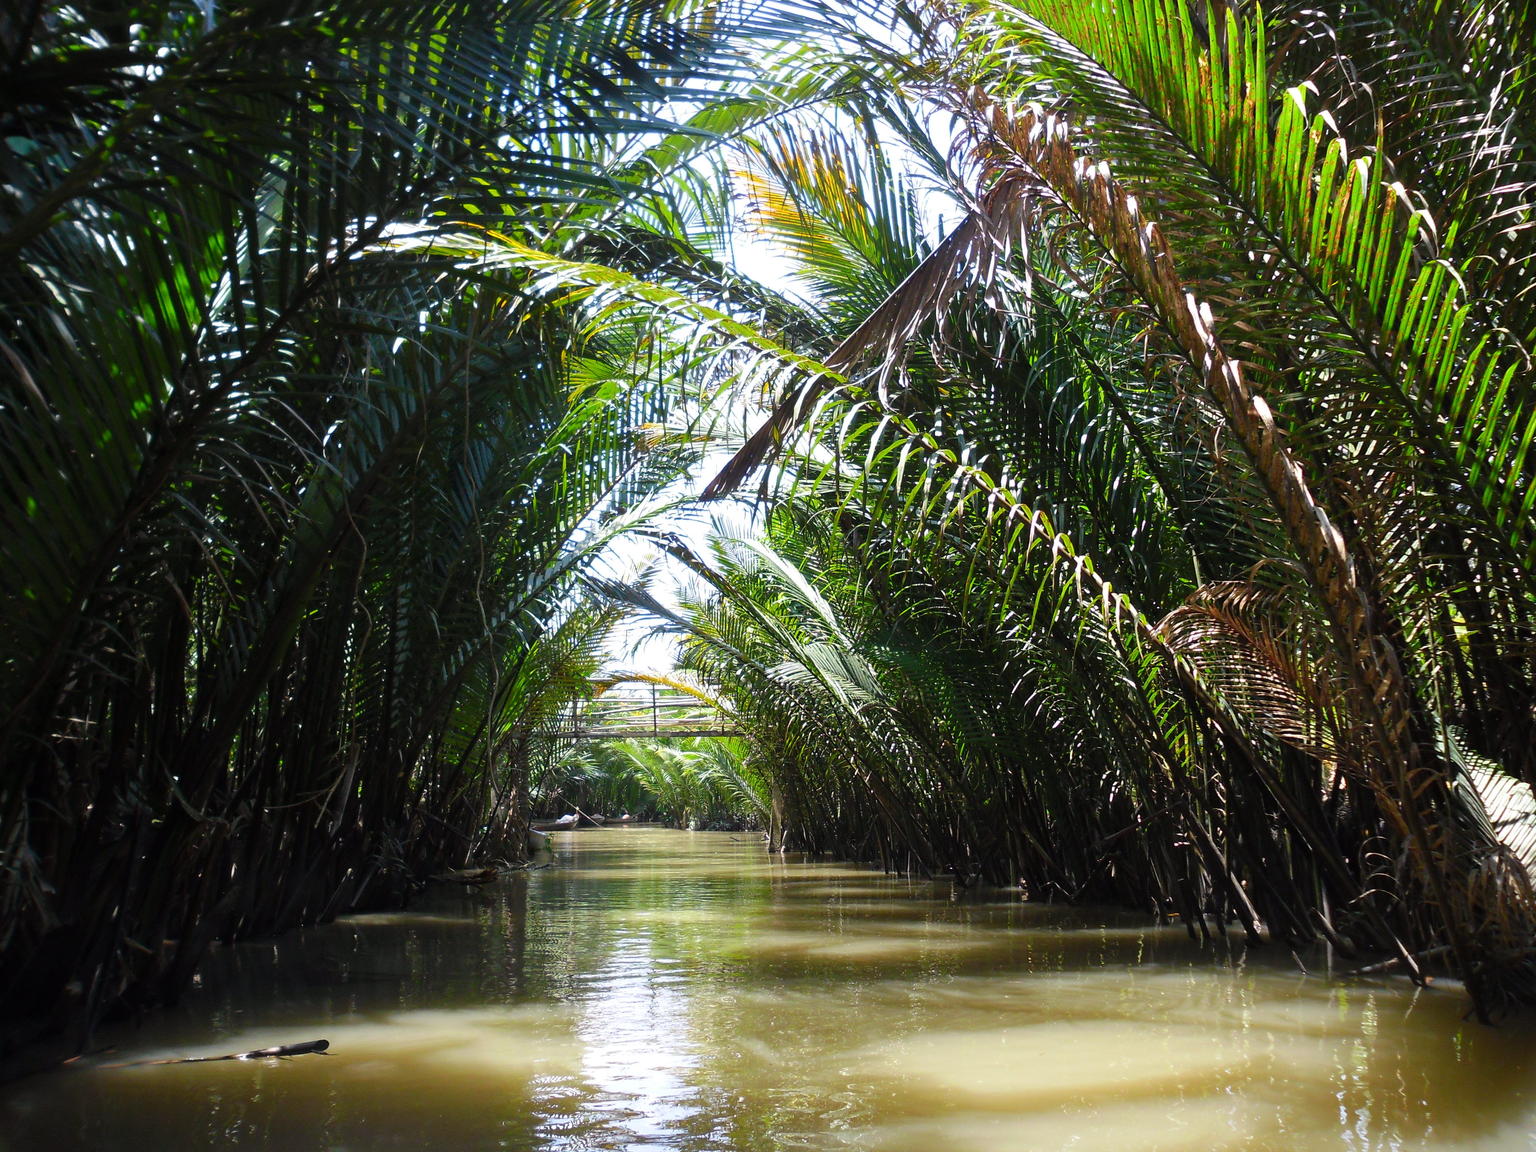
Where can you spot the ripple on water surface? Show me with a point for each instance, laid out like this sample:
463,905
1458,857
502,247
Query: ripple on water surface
665,990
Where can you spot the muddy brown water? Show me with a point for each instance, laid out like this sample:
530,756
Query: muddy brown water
685,991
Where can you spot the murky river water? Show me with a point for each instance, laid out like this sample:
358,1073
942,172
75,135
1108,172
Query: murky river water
670,990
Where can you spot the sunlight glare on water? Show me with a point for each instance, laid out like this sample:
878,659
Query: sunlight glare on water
685,991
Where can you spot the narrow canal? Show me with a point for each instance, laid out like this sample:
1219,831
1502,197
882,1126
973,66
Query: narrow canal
668,990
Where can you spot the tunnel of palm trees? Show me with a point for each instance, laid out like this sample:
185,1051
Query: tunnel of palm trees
1082,447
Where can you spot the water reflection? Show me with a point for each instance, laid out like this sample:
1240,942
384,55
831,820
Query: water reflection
635,1051
661,990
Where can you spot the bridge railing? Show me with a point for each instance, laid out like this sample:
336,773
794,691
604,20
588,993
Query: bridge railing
661,714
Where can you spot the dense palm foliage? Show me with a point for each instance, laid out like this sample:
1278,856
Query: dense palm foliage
1162,533
296,477
1159,532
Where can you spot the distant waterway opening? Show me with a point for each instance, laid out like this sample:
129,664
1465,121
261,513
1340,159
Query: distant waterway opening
655,989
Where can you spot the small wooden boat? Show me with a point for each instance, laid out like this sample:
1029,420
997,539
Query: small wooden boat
569,822
563,824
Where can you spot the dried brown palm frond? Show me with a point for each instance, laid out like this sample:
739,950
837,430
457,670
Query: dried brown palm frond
1411,781
968,256
1252,645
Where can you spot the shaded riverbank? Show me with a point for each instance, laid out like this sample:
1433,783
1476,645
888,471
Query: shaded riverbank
668,990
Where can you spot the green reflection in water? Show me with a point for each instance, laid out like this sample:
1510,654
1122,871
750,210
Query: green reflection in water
667,990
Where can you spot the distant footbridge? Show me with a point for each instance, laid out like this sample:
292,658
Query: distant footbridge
659,714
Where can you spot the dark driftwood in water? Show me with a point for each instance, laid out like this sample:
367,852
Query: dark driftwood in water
1397,961
466,876
282,1051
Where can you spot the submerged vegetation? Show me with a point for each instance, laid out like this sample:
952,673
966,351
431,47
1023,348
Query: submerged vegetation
1150,510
